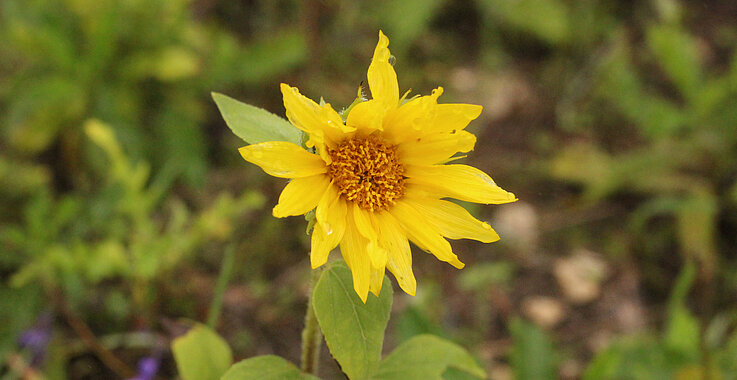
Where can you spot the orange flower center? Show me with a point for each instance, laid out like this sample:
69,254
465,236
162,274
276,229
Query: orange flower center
367,172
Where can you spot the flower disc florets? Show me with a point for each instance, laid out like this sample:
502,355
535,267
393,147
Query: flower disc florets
366,171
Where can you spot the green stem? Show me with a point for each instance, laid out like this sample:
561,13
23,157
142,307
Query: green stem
226,270
311,335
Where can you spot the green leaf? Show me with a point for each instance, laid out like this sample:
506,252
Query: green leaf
532,355
586,164
426,357
201,354
414,321
169,64
548,20
726,358
676,52
636,357
267,367
39,111
407,20
683,333
354,331
697,226
620,83
255,125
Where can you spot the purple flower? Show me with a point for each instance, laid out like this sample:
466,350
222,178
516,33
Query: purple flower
36,339
147,368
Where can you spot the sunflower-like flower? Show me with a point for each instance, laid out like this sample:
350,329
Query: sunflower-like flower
378,179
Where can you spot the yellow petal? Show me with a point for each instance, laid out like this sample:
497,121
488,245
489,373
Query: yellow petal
399,260
458,181
452,220
335,129
322,123
377,254
425,235
283,159
301,195
435,148
405,122
367,227
452,117
331,208
329,228
381,76
366,117
320,246
425,115
353,248
363,222
377,279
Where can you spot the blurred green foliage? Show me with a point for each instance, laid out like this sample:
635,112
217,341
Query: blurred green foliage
683,140
145,67
533,356
677,353
81,239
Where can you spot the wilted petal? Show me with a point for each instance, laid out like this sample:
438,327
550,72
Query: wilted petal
381,76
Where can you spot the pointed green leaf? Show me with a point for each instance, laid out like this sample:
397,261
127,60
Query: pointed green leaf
697,225
619,82
267,367
677,53
427,357
201,354
353,330
255,125
683,332
548,20
533,357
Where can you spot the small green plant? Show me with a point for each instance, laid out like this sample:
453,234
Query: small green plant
142,66
682,145
113,232
682,351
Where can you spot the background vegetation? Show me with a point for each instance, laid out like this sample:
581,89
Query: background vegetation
126,208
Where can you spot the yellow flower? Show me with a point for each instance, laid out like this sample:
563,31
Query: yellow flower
379,178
